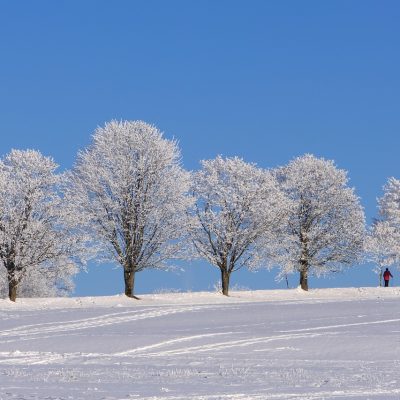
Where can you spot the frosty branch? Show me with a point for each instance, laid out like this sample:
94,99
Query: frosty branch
236,204
129,192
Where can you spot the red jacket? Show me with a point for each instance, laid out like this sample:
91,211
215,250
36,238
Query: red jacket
387,275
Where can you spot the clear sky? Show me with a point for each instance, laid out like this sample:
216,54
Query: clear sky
264,80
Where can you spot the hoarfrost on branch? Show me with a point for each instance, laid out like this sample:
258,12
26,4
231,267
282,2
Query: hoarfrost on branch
37,249
129,192
383,244
325,226
236,204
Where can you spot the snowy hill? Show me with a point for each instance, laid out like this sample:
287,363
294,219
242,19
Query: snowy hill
280,344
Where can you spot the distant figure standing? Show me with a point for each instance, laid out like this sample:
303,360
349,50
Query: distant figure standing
386,277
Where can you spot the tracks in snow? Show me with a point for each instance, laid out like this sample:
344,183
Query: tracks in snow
318,395
176,347
33,330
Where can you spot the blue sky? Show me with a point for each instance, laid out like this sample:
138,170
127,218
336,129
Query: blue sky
264,80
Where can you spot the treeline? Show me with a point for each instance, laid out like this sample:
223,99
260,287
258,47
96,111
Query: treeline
129,201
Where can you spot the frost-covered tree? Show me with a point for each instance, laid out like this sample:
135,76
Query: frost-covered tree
383,244
389,203
237,203
325,226
43,281
128,191
36,247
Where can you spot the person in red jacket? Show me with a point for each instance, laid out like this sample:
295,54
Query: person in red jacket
386,277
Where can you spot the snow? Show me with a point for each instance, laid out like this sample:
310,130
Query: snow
278,344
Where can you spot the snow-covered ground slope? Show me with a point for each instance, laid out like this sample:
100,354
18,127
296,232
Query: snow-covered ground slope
288,344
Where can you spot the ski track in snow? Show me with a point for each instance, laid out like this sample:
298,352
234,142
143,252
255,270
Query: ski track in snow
339,394
32,358
95,322
318,328
213,346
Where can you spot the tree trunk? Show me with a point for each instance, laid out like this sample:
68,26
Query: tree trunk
129,278
225,276
304,278
12,288
304,259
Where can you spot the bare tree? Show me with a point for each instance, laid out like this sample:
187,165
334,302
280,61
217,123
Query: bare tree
36,248
325,226
128,191
236,204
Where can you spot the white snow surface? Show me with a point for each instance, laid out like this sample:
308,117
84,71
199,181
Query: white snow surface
275,344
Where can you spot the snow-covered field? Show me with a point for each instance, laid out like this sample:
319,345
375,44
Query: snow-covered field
284,344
